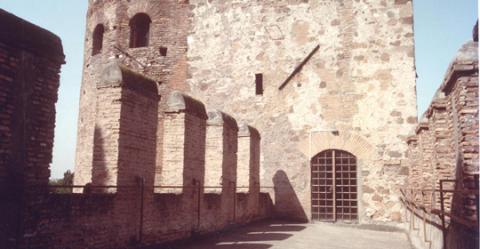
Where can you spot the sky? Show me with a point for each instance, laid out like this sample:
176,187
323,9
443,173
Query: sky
441,27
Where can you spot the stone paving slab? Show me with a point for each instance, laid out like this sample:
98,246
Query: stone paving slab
278,235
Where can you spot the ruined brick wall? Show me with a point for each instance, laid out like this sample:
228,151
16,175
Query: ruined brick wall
30,60
361,82
445,147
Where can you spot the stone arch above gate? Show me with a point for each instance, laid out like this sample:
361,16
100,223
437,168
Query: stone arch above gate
355,144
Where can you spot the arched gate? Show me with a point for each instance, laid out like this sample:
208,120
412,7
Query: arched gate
334,186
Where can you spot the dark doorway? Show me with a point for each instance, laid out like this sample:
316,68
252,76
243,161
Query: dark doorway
334,186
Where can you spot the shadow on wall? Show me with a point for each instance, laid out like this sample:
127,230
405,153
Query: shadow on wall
258,236
458,235
287,205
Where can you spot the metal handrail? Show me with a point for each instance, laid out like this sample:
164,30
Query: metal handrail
409,196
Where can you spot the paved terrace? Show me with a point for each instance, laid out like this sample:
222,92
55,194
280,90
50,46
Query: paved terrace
278,235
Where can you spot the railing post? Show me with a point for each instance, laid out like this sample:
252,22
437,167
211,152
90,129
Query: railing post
476,198
234,188
411,211
198,187
424,218
442,216
142,194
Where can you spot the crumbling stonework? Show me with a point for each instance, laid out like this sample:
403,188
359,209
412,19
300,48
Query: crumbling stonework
445,147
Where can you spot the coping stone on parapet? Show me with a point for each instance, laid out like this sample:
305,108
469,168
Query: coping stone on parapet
412,138
180,102
422,125
219,118
465,62
246,130
116,75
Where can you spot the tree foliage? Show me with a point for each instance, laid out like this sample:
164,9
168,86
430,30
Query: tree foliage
67,180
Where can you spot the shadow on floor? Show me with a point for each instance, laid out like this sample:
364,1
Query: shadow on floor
254,236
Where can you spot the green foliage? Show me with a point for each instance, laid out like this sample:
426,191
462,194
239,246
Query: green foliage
67,180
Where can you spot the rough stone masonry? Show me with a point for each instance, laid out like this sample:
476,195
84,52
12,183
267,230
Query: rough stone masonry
355,93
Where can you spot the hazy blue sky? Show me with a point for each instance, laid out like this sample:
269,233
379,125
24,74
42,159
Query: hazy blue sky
441,27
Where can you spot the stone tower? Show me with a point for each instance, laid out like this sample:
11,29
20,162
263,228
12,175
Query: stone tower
330,85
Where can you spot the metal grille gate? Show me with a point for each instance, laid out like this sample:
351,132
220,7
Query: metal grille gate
334,186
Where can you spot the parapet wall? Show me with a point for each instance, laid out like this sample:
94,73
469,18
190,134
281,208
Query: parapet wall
193,191
445,148
128,196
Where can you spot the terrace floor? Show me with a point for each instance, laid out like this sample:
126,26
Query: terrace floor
281,235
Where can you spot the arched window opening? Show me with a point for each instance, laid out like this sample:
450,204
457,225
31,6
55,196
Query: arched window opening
139,30
97,41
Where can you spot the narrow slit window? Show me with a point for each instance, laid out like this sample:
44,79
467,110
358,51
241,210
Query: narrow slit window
97,39
140,30
163,51
259,84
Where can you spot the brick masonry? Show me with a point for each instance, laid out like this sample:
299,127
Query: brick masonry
445,146
165,32
248,173
119,206
29,76
184,142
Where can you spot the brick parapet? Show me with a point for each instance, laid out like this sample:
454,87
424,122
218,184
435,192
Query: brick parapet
29,80
123,139
122,117
248,131
218,118
117,75
221,161
249,161
39,42
183,142
178,102
423,125
221,152
248,171
448,136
